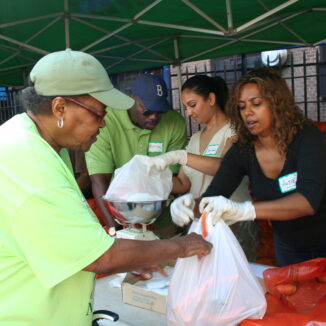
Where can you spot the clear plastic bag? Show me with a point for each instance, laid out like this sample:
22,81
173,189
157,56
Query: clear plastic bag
132,183
217,290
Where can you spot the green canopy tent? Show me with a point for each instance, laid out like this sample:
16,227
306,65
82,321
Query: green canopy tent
129,35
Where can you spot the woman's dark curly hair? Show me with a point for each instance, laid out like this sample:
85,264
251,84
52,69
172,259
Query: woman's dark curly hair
287,116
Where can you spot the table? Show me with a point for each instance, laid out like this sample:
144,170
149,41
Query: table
110,298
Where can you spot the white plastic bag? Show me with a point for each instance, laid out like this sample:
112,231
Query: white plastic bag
132,183
217,290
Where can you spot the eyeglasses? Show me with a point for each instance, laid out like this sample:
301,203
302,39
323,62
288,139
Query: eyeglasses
147,113
99,114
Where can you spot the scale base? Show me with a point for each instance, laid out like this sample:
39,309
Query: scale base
136,234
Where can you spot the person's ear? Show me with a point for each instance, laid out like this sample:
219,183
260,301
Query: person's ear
59,107
212,99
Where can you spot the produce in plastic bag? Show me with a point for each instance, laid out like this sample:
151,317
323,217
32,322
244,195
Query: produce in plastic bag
296,295
217,290
132,183
302,284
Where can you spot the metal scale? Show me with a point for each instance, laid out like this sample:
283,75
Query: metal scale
135,216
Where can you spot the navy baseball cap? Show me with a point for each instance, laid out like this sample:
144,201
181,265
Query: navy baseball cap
152,91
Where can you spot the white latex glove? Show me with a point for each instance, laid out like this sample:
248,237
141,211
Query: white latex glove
230,211
182,209
161,162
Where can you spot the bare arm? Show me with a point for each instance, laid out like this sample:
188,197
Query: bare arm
208,165
204,164
84,182
128,255
181,183
286,208
100,184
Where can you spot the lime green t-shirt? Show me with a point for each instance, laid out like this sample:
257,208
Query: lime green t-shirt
48,234
120,140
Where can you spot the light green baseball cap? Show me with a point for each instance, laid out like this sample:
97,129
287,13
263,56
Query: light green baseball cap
68,72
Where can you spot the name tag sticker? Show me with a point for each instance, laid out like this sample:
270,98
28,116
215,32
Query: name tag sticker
155,147
288,182
211,149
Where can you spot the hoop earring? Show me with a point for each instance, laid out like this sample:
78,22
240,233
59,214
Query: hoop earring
60,123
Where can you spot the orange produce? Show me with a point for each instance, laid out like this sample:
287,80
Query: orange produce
287,288
204,224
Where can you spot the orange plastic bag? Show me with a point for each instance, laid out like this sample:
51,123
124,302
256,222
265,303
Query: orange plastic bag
93,205
296,295
279,313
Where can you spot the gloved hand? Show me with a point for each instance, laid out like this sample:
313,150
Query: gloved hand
182,209
162,161
219,207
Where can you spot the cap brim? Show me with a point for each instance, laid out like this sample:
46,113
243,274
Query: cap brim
114,99
159,105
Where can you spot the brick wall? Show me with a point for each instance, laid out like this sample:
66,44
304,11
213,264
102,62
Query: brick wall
302,65
300,71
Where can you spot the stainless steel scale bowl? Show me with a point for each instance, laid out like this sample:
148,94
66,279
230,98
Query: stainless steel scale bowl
131,213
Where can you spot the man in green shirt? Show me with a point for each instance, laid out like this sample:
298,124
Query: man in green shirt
151,127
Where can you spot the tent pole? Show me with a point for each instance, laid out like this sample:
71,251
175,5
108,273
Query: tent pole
121,28
178,66
138,52
136,43
67,17
204,15
18,66
229,15
24,21
265,15
24,45
242,38
17,53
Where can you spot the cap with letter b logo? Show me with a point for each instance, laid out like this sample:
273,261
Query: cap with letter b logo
152,91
